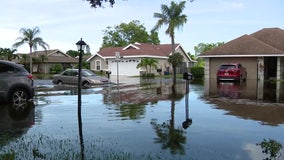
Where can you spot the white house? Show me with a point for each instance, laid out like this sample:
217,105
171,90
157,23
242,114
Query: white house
129,56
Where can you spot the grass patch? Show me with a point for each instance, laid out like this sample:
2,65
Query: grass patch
40,146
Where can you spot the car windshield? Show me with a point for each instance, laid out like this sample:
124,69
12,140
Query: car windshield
88,73
229,66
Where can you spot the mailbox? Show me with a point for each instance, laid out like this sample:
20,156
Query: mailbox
187,76
108,73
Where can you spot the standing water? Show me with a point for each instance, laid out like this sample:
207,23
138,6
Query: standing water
152,120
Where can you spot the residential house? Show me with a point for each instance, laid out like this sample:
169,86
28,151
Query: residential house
107,59
44,60
261,53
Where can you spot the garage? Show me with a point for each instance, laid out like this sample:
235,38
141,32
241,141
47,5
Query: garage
261,53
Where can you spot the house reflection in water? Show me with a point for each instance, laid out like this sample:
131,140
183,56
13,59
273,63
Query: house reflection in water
248,101
252,89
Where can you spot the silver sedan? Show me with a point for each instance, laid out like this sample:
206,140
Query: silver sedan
70,76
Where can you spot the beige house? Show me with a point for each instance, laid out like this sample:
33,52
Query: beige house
131,55
261,53
44,60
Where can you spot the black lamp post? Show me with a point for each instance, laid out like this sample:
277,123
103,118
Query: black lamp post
81,47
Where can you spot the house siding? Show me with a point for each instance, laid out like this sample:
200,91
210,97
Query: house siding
103,64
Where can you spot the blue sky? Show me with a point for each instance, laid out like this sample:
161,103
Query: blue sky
64,22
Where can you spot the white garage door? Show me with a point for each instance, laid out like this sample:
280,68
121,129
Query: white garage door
125,67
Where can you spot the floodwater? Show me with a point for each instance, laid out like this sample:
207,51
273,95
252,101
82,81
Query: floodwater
150,120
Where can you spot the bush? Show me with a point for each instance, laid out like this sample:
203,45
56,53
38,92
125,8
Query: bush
148,75
56,69
197,71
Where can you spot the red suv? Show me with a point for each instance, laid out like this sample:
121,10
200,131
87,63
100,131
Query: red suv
231,71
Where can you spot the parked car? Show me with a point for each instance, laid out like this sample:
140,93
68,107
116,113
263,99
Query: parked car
232,71
70,76
16,84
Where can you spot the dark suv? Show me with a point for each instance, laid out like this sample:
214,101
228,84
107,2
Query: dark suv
16,84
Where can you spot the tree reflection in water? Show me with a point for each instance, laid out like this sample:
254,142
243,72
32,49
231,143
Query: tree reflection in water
169,136
271,147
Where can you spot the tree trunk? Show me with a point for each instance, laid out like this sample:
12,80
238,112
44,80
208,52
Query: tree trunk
173,43
174,75
173,52
31,61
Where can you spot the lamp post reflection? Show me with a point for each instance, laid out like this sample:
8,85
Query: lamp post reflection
81,46
188,121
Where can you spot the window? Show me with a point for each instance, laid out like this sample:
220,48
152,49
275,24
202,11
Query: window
98,65
5,68
67,73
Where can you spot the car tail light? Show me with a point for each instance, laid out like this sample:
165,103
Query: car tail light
30,76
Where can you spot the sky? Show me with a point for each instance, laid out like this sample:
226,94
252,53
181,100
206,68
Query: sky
63,22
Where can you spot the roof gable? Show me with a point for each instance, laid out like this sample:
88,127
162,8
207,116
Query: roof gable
130,46
138,49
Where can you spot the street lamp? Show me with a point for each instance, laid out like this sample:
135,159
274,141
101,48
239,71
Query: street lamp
81,45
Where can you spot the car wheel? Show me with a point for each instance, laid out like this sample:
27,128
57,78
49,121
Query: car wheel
19,98
59,83
86,84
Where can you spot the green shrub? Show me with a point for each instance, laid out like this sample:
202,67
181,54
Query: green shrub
56,69
148,75
197,71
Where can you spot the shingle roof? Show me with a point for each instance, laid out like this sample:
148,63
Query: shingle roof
268,41
53,59
138,49
272,36
58,59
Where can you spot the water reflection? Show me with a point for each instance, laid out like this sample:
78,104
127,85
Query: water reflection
267,114
253,89
167,133
271,148
188,121
13,119
131,101
246,100
14,123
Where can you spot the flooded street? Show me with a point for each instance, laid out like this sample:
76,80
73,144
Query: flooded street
146,120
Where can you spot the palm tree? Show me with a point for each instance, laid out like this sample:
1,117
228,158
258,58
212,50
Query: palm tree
43,58
30,37
2,53
143,63
9,54
172,17
152,63
147,62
